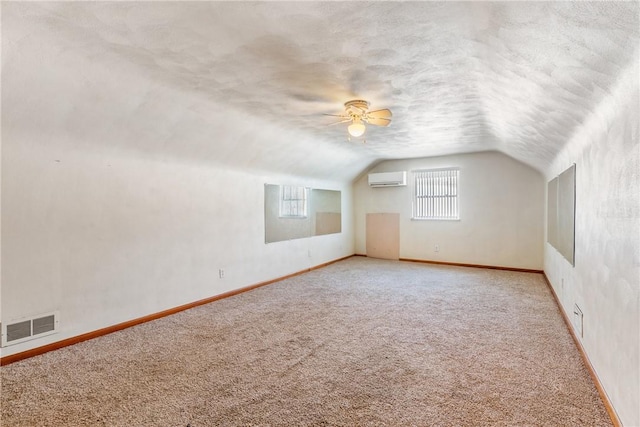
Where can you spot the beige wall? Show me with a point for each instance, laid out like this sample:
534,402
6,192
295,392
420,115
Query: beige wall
105,236
605,282
501,212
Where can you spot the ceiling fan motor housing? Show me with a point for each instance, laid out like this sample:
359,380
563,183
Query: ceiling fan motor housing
358,103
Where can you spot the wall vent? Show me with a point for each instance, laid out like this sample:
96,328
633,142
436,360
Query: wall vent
25,329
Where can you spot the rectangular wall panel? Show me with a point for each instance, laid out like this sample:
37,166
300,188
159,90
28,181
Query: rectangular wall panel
552,212
566,213
383,235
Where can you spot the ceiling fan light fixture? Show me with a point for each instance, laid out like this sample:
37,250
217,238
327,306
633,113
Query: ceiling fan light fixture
356,112
356,129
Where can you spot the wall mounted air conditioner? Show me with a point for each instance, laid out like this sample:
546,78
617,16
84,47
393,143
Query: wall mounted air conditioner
388,179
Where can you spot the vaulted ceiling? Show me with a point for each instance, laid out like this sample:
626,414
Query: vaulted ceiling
247,84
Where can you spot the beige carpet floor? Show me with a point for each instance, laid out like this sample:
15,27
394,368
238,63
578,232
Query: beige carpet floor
361,342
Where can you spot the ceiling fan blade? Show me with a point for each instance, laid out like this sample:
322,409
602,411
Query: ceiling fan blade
378,121
380,114
336,115
341,121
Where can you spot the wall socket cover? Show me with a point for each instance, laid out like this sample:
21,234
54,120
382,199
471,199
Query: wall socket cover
578,320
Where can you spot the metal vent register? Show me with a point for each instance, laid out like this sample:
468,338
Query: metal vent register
30,328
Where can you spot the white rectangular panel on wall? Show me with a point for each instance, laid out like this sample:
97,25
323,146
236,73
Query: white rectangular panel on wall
383,235
552,212
566,213
561,206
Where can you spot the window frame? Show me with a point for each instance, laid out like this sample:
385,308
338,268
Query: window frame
282,209
414,194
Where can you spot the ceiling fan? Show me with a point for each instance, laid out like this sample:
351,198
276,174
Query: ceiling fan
356,112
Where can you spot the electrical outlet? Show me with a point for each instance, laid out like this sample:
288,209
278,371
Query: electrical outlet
221,273
436,248
578,321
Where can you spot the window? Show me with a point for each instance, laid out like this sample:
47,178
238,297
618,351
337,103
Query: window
293,201
436,194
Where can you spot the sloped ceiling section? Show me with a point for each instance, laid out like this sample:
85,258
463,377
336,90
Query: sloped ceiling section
247,84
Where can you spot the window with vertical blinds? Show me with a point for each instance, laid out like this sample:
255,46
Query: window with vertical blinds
436,194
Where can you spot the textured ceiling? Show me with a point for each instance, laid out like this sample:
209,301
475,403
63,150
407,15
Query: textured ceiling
246,84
